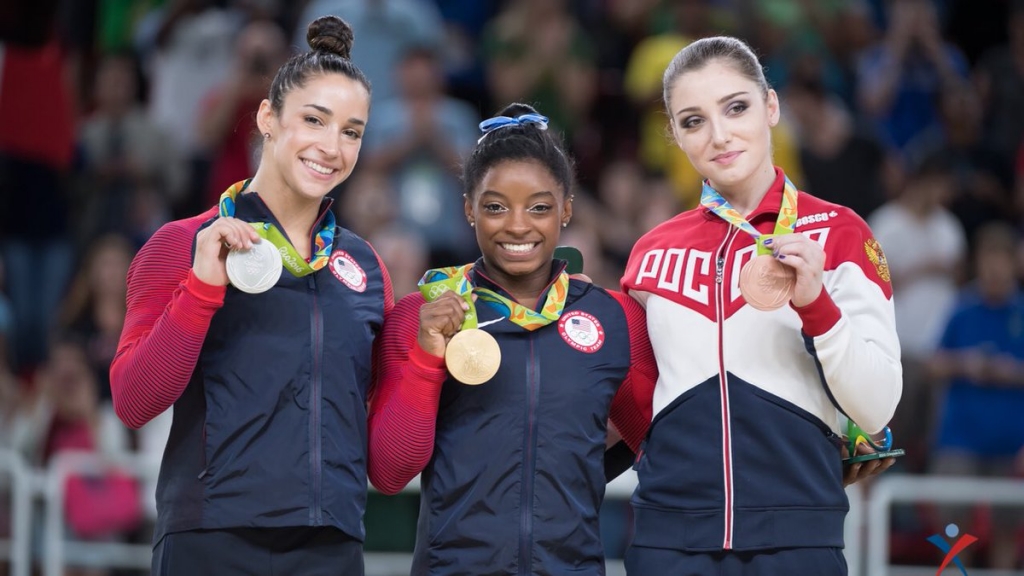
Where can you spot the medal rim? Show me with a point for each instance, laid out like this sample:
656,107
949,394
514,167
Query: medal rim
259,288
462,341
746,283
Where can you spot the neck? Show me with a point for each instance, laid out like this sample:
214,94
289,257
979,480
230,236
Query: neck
525,289
745,196
295,213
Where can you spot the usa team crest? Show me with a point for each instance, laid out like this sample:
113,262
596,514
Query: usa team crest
581,331
348,271
874,251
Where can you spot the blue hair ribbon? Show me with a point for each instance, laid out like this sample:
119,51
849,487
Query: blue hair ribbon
492,124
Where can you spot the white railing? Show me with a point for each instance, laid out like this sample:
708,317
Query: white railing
58,550
902,488
867,515
16,549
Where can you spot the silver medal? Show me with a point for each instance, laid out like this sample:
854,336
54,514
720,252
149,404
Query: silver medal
255,270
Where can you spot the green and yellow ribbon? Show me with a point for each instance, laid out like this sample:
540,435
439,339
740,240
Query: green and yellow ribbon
293,262
437,281
784,224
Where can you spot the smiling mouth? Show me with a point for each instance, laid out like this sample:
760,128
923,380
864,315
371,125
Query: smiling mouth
518,248
320,168
726,157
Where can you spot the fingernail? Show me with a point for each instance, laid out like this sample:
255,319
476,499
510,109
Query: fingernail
768,242
782,256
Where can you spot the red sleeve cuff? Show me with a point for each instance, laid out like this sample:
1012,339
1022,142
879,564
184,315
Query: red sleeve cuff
819,316
425,360
203,291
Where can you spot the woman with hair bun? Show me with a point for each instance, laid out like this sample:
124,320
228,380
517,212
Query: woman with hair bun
256,320
509,436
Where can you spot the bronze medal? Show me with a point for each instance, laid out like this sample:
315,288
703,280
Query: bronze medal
472,356
766,283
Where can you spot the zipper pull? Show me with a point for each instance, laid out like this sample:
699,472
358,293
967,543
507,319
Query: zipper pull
719,268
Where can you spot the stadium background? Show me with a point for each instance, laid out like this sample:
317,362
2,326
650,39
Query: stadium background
117,116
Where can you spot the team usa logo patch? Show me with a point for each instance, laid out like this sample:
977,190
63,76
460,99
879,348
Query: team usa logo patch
348,271
877,257
581,331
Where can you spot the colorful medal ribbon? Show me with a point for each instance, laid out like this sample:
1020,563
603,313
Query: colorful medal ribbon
712,200
296,264
440,280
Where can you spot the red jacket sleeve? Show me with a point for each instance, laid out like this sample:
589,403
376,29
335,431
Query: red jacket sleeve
631,409
169,312
403,405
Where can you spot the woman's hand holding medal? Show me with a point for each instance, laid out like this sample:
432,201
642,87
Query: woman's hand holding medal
213,244
440,320
806,258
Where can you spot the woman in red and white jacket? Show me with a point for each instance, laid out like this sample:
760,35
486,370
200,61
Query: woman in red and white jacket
739,473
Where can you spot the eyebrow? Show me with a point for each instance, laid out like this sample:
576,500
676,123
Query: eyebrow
328,112
532,196
721,100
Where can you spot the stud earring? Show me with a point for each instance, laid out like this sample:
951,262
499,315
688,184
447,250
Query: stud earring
472,224
266,135
564,224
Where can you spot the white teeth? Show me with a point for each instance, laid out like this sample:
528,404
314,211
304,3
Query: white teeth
318,167
519,248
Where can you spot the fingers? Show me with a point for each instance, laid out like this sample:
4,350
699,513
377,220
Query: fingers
851,474
439,321
234,234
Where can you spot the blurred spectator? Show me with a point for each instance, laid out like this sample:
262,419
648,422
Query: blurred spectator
368,202
982,180
853,33
981,431
901,76
842,159
464,22
538,53
419,138
1000,80
623,194
386,29
129,170
37,126
94,308
227,124
404,252
643,84
194,52
925,246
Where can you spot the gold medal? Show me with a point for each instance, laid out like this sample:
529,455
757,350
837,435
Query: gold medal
472,356
766,283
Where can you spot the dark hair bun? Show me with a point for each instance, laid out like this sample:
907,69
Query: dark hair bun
330,34
516,109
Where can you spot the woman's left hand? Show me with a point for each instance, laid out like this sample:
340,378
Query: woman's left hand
807,258
863,470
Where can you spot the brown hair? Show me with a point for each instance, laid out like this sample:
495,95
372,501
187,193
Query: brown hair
330,39
702,52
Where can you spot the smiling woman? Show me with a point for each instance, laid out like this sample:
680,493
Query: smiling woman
518,458
264,369
766,327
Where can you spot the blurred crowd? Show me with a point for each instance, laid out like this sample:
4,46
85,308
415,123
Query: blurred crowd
117,116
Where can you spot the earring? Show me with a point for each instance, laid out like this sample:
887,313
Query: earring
472,224
564,224
266,135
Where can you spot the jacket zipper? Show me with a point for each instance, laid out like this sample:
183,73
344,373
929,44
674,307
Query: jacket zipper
529,463
316,327
727,472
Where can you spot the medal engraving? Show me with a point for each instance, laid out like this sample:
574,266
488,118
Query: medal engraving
472,356
255,270
766,283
